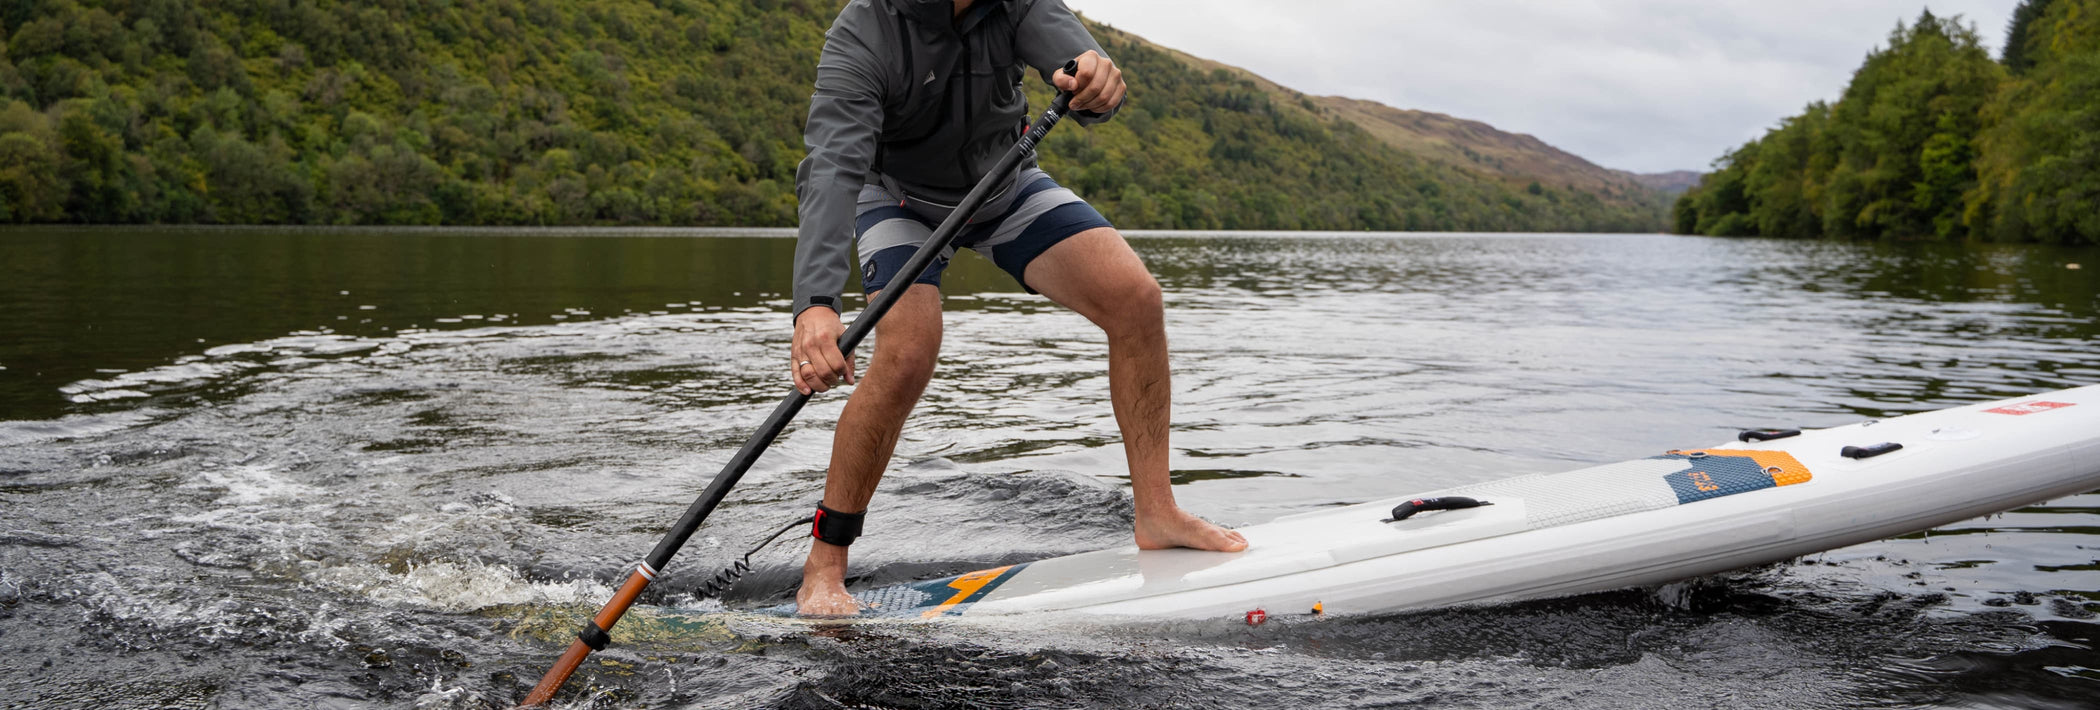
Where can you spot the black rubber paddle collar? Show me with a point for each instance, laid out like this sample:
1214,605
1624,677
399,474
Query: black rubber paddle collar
836,528
592,636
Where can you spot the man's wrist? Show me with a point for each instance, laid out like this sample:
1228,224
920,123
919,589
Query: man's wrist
807,302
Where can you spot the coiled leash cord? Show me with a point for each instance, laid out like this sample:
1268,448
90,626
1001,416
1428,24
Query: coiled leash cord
829,525
716,585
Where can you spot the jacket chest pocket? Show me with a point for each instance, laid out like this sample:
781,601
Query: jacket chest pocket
922,110
1003,68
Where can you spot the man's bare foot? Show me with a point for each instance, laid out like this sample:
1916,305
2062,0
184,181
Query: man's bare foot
823,590
1177,528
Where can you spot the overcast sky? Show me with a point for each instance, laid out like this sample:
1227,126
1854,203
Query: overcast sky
1642,85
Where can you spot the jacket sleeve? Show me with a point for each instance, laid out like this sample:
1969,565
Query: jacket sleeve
845,116
1048,35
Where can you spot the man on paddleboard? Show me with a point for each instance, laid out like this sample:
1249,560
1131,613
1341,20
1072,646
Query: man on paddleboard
915,102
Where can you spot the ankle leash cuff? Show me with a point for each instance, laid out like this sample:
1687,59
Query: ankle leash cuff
835,527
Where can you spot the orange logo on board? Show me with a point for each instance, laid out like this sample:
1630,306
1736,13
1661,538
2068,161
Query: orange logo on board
2026,408
966,588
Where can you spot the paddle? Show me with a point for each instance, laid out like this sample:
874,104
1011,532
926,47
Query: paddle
594,634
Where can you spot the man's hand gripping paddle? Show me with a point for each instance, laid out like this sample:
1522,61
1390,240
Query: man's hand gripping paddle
594,637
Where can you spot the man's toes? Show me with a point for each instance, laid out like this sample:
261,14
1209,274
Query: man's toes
828,607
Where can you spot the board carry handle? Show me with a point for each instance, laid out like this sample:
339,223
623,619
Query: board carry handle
1868,452
1406,510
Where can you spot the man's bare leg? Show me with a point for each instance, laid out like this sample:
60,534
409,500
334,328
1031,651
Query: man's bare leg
1096,274
907,343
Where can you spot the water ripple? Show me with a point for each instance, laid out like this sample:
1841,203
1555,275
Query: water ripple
417,515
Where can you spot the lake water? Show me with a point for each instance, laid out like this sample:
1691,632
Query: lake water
362,468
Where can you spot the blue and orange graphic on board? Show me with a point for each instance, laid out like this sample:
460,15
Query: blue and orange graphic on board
1712,473
933,598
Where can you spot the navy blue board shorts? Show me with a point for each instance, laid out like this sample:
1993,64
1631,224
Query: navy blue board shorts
1040,214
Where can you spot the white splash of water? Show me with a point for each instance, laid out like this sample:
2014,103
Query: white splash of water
71,426
455,586
250,485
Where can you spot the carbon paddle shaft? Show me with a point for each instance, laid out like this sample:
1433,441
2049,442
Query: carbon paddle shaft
595,630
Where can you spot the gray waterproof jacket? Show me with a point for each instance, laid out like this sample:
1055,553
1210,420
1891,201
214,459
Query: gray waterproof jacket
910,97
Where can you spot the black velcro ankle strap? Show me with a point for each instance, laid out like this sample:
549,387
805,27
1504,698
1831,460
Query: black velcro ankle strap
835,527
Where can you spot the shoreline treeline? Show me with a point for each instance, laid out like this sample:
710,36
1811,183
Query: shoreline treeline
682,112
1932,140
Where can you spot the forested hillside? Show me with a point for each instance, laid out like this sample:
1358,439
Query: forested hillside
682,112
1933,139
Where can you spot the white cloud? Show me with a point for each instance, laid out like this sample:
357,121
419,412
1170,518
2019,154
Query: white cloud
1644,85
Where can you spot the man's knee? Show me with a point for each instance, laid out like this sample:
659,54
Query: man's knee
911,358
908,341
1134,306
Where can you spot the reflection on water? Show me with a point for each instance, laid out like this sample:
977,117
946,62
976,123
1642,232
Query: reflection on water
394,468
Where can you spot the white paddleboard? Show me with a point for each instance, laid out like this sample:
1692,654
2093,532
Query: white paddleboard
1668,517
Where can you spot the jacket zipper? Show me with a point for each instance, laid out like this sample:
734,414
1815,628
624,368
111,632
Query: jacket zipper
962,153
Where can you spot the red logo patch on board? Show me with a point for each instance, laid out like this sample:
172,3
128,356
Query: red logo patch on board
2024,408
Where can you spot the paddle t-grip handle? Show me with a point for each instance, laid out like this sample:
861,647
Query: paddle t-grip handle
1063,100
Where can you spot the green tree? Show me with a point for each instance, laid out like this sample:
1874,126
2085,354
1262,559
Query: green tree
1894,157
2019,32
1931,80
1785,186
2039,169
30,190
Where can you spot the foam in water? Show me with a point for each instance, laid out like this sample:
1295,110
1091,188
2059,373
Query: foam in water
455,587
251,485
72,426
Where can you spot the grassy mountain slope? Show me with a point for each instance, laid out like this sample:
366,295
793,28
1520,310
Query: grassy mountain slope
1516,158
617,112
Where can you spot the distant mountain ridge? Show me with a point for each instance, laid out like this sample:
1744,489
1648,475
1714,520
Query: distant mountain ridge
1672,183
1515,157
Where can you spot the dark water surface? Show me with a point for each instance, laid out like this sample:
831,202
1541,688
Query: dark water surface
336,469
